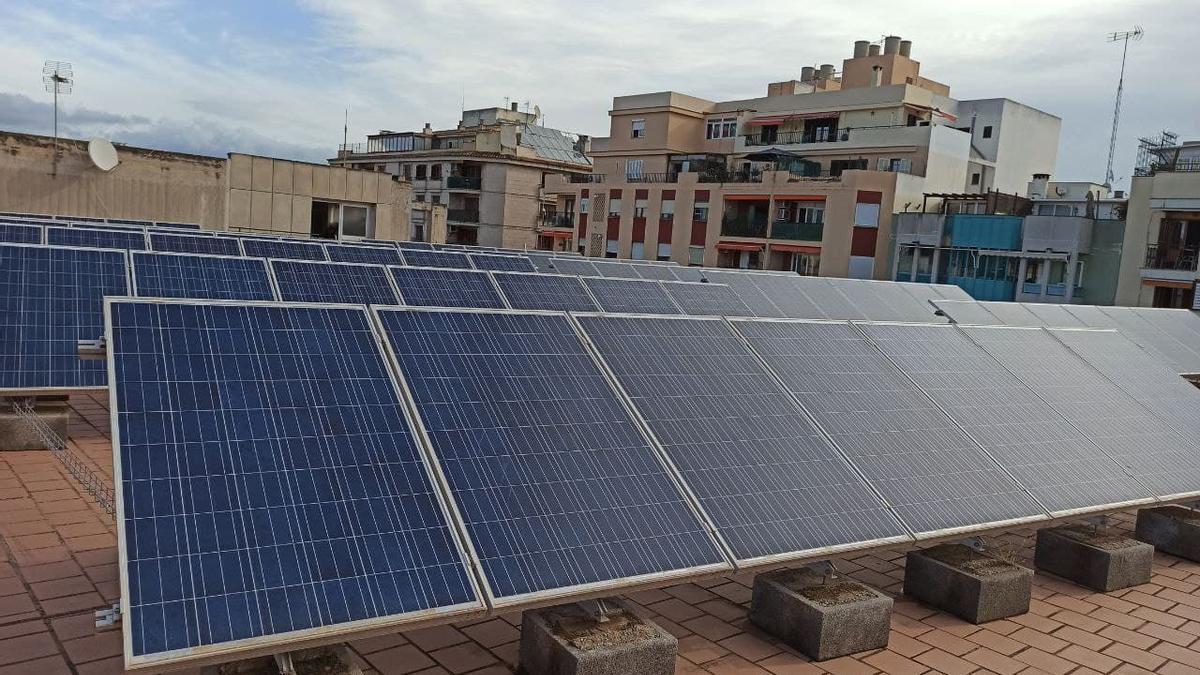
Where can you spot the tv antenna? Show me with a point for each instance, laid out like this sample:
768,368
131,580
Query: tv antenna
1123,37
58,78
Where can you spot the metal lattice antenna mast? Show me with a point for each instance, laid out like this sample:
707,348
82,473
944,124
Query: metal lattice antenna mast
58,78
1123,37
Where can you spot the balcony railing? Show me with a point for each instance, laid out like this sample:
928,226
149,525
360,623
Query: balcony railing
462,215
786,229
1178,166
731,177
557,220
463,182
587,178
791,138
743,225
670,177
1162,258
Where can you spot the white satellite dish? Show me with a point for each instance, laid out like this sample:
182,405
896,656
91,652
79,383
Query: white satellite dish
103,154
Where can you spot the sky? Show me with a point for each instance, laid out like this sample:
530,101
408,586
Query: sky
275,77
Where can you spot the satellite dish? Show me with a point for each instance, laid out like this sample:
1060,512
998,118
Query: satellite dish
537,111
103,154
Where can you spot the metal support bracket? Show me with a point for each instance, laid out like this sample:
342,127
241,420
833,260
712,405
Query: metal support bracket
975,543
284,663
93,350
1098,523
598,609
109,616
825,568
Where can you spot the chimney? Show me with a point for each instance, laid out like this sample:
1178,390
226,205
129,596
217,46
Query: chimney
807,73
906,48
428,129
826,71
873,50
1118,194
891,44
514,106
860,48
876,75
1037,186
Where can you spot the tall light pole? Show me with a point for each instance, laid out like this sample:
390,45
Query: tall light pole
1123,37
58,78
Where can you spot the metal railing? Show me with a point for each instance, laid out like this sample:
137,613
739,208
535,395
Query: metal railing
743,225
462,215
557,220
792,138
586,178
786,229
463,182
1162,258
669,177
1178,166
99,488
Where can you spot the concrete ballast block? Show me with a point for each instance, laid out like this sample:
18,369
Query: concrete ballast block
16,433
568,640
1100,561
971,585
822,618
1174,530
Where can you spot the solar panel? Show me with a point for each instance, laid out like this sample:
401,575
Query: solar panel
1092,317
745,287
884,301
556,485
629,296
414,246
787,294
270,486
186,243
1140,374
616,270
132,240
12,233
447,259
1012,314
50,299
286,250
770,482
1053,316
1057,462
949,291
545,291
656,272
829,300
303,281
502,263
97,223
687,274
1126,430
1180,324
583,268
932,473
181,275
706,299
375,255
968,313
429,287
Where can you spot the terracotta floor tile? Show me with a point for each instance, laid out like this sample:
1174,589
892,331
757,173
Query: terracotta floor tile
463,658
400,660
429,639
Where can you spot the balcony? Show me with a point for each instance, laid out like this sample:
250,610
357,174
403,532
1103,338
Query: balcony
670,177
792,138
743,225
786,229
1163,258
462,215
553,220
463,182
1189,165
587,178
726,176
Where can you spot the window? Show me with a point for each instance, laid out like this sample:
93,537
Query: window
638,251
664,251
614,207
837,166
420,172
610,248
354,221
633,168
1033,270
975,178
721,128
695,255
437,199
435,172
768,134
406,171
667,212
639,208
639,128
987,132
807,264
895,165
1078,273
332,220
420,197
583,204
700,213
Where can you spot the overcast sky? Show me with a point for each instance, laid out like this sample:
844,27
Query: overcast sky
274,77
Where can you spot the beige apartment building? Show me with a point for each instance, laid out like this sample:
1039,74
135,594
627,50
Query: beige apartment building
806,178
238,192
490,173
1162,228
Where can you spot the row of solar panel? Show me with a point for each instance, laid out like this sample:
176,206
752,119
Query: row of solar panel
282,472
83,221
1172,335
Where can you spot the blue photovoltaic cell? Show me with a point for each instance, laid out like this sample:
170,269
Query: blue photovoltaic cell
375,255
933,474
133,240
743,285
333,282
422,258
50,299
687,273
287,250
175,275
772,485
187,243
13,233
656,272
424,287
707,299
583,268
545,291
629,296
269,478
555,483
616,270
414,245
502,263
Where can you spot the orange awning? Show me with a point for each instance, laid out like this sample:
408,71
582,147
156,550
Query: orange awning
1158,283
799,198
747,198
557,234
794,248
738,246
779,119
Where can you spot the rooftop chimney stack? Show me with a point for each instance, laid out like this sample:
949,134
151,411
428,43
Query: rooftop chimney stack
860,48
807,73
906,48
827,71
873,50
891,44
514,106
1037,186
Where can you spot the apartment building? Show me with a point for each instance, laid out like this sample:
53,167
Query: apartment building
1060,243
805,178
489,172
1162,236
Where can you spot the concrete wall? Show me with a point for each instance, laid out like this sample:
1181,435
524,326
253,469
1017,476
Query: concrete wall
146,185
1148,195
